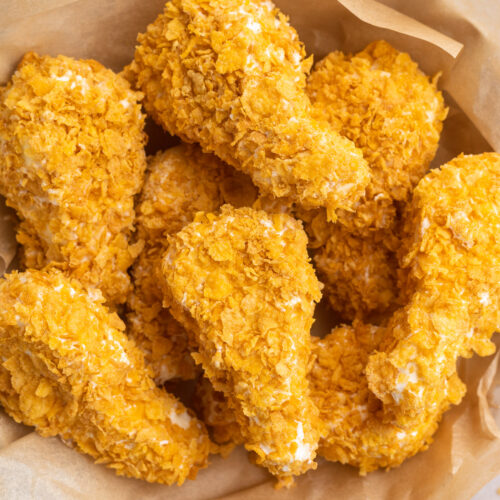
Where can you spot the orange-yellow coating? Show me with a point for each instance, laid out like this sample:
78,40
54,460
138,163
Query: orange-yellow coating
68,369
360,432
213,409
242,284
179,182
359,270
380,100
231,76
71,161
451,252
359,273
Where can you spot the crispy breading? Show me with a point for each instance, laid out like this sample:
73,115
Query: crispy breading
451,252
71,160
360,432
381,101
231,75
214,411
69,370
359,273
179,182
160,337
382,391
242,284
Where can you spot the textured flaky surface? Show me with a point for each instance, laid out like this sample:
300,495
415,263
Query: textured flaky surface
69,370
230,75
179,182
360,432
360,273
242,283
213,409
72,158
359,269
380,100
451,251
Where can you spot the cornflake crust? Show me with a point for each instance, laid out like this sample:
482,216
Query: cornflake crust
360,273
179,182
69,370
242,284
382,391
231,76
71,160
451,252
213,409
360,432
381,101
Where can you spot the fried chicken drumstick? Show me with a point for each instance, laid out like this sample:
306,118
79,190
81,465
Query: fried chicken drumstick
179,182
451,252
382,391
231,75
71,160
242,284
69,370
361,432
394,113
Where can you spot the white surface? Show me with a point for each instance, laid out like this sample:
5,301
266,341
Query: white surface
489,492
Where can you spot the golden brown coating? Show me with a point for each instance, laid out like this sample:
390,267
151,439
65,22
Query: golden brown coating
179,182
274,205
359,270
359,273
242,284
451,251
214,411
69,370
360,432
71,161
381,101
230,75
160,337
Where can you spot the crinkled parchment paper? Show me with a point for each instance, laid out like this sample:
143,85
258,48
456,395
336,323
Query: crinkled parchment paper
458,37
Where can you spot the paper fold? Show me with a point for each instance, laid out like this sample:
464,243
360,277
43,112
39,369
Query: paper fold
382,16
